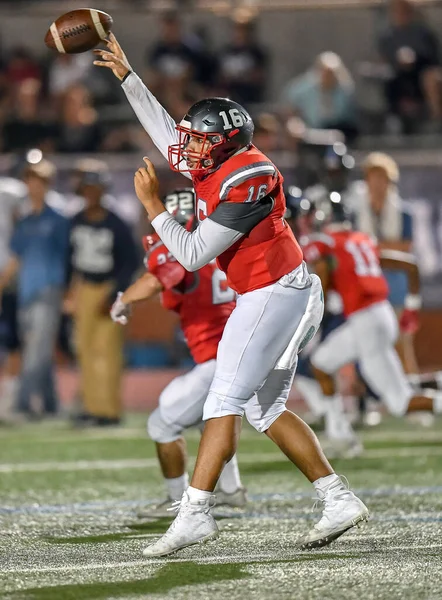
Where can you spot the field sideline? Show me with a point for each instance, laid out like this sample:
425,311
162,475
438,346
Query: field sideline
69,528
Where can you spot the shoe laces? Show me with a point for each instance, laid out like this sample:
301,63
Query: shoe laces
184,507
335,492
175,506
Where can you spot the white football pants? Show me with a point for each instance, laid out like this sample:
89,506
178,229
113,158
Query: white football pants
257,355
181,403
368,337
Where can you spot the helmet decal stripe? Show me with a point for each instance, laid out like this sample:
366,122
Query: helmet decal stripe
243,173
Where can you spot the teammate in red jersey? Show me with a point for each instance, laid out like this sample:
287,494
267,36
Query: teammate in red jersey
350,263
204,303
240,206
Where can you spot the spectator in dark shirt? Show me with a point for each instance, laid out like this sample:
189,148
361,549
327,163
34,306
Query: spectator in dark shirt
78,129
175,63
27,126
103,259
243,65
411,49
38,256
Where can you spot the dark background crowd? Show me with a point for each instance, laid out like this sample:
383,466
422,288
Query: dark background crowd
61,103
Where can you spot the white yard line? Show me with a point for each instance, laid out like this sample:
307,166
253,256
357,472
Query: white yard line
138,433
267,557
244,457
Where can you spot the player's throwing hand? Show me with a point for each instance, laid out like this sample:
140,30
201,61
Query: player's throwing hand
113,58
147,187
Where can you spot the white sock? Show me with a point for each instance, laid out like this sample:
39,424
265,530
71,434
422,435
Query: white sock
436,397
337,424
229,480
323,483
196,495
310,390
176,486
8,392
9,385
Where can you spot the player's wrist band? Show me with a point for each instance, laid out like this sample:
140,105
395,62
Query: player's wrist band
413,302
126,76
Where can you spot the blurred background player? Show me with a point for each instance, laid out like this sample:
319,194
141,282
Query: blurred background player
380,213
348,262
204,302
300,215
102,259
38,258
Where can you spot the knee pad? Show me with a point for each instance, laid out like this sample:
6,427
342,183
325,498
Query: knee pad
319,359
220,405
260,418
397,404
160,431
269,403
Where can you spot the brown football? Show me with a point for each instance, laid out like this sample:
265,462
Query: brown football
78,31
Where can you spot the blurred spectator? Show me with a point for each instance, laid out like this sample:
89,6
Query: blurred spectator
175,62
380,213
243,65
78,129
207,62
20,66
12,201
38,255
324,96
268,133
67,70
411,49
103,258
26,125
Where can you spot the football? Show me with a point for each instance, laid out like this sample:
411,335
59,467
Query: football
78,31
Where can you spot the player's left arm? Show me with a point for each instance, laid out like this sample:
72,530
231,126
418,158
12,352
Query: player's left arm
223,228
406,262
147,286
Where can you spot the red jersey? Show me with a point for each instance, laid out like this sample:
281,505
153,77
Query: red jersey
269,251
356,274
202,299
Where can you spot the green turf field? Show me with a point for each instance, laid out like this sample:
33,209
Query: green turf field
69,528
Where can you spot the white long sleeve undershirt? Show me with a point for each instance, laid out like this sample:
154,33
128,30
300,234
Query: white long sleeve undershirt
196,249
154,118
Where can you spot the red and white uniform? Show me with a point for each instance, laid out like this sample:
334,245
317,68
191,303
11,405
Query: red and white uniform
356,273
203,302
241,206
202,299
370,332
270,250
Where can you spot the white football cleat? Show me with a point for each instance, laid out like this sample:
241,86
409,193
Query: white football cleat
342,511
237,499
193,524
